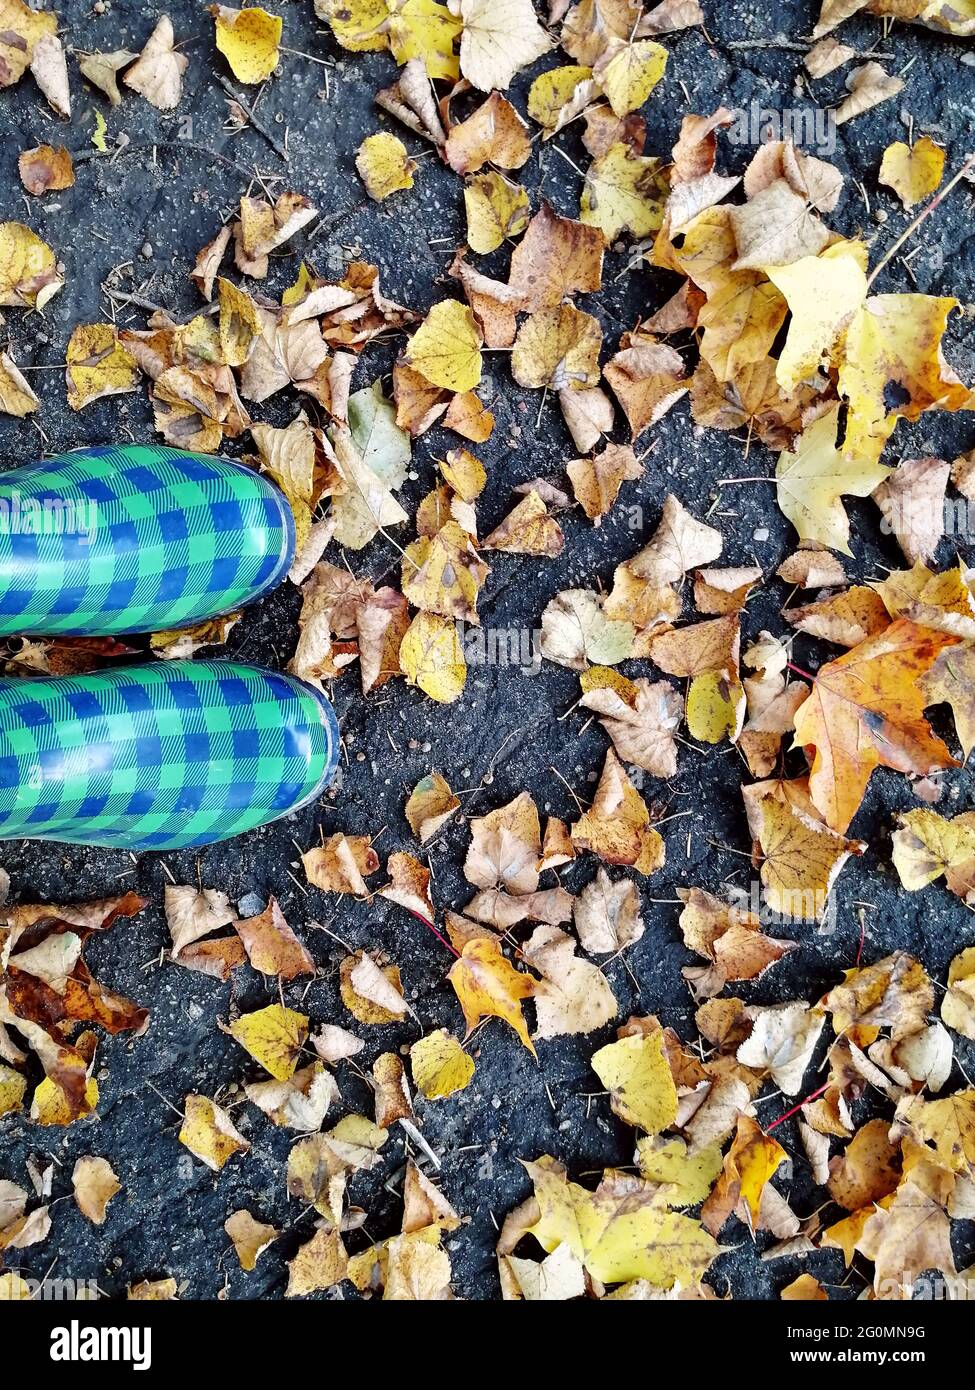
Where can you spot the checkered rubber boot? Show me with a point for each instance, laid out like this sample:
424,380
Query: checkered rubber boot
138,538
162,756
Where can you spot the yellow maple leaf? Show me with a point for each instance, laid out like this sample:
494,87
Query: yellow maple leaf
487,985
823,293
812,478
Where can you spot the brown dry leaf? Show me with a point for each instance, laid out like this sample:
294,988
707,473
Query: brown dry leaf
342,864
868,1170
527,530
44,168
912,503
647,378
776,227
263,228
95,1184
588,415
392,1092
596,481
250,1237
607,916
643,728
811,567
409,886
555,258
505,847
847,618
573,996
411,100
50,71
499,38
699,648
724,590
494,134
826,56
102,69
680,543
300,1102
927,845
157,74
617,826
731,938
558,348
819,182
272,947
467,415
319,1264
868,87
893,993
487,985
782,1042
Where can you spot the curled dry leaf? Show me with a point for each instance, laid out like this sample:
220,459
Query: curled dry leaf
95,1184
44,168
157,73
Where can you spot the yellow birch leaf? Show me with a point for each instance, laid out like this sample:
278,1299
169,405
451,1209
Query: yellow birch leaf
496,210
424,29
811,480
359,25
640,1083
631,74
16,394
913,172
273,1036
623,192
384,165
12,1089
209,1133
440,1065
715,707
432,657
98,365
446,348
28,271
248,39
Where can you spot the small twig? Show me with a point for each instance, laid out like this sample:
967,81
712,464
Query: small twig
922,216
254,119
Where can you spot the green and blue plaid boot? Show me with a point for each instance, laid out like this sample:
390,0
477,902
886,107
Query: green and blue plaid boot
162,756
139,538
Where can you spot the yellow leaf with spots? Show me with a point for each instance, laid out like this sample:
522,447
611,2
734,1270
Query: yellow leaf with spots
913,172
248,39
274,1036
631,74
446,348
812,478
98,365
496,210
426,30
624,1230
487,985
209,1133
20,29
28,271
928,845
802,860
384,165
239,323
358,25
12,1089
430,805
640,1083
893,352
690,1172
432,657
558,348
958,1005
715,707
319,1264
444,573
823,293
623,192
558,95
439,1064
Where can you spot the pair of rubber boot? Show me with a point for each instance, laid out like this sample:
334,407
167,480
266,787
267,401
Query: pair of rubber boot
173,753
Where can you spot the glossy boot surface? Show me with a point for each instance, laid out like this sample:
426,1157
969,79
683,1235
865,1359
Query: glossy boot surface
162,756
139,538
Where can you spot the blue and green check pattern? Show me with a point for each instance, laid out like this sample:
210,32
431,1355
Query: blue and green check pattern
139,538
160,757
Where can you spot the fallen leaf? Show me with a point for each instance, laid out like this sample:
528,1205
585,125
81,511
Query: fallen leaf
157,73
209,1133
440,1066
44,168
95,1184
248,39
488,986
